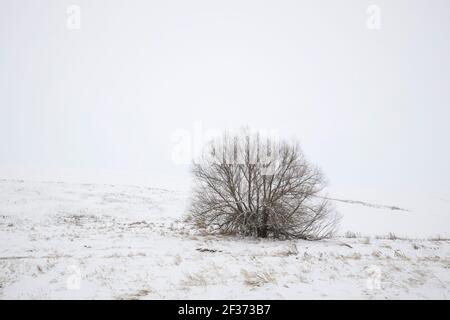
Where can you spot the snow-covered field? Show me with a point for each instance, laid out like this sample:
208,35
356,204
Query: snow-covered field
83,241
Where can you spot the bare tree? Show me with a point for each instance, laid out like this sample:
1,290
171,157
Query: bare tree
249,185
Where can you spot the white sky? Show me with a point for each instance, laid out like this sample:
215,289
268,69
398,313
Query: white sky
101,103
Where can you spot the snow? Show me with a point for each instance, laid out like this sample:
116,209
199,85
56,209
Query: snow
85,241
422,215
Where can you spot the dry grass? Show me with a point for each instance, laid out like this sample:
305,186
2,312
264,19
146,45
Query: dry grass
429,259
135,295
392,236
291,250
377,254
258,278
302,279
177,260
194,280
355,256
385,245
351,234
439,238
400,254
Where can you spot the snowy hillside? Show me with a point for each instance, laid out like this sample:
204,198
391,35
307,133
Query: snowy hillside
61,240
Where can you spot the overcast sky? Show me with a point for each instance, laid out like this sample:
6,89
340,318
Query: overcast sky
101,103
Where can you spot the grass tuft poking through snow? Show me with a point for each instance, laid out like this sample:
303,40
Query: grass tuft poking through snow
72,241
258,278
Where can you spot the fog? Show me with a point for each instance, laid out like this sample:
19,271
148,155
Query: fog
101,103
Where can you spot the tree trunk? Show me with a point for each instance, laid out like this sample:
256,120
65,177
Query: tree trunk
262,230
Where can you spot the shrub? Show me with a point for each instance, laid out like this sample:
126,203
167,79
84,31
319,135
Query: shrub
244,184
